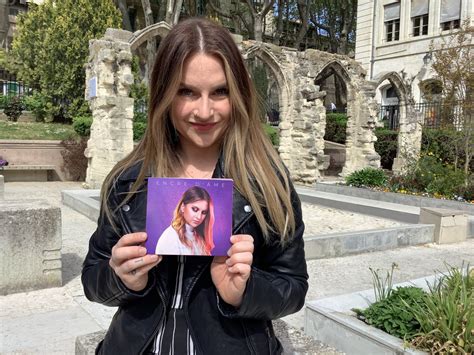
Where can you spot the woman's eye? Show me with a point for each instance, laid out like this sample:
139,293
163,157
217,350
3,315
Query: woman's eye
195,209
204,213
185,92
222,92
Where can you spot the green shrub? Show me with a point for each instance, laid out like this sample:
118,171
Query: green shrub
336,125
36,103
441,143
4,100
138,130
82,125
386,145
75,163
367,177
446,316
140,117
13,108
391,314
272,133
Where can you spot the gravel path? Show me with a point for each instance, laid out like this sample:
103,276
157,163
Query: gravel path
325,220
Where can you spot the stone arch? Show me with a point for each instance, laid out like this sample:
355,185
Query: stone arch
160,29
409,124
336,68
260,51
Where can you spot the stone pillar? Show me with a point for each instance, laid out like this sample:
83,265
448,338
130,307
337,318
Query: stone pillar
409,139
30,246
302,138
108,80
450,226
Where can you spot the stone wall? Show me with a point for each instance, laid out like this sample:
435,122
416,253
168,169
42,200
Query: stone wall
302,110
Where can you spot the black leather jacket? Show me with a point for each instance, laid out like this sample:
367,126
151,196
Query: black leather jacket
277,285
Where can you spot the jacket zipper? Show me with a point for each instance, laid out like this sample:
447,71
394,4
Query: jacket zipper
186,315
155,330
247,339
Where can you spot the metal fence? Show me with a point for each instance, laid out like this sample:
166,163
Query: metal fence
434,114
10,86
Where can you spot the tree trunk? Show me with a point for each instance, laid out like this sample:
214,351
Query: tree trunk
303,10
122,6
151,44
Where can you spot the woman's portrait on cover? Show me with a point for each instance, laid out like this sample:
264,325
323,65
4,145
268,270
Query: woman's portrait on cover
190,232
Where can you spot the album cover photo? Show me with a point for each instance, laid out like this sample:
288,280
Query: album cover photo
189,216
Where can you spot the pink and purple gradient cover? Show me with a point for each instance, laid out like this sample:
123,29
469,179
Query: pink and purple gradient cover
163,197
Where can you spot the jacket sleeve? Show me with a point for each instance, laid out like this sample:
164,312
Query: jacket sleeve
278,287
99,280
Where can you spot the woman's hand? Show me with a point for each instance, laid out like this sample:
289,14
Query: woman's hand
130,261
230,274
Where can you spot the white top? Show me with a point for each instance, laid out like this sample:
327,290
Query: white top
169,243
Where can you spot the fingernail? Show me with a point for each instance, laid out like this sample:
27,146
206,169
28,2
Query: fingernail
155,258
143,251
228,252
227,261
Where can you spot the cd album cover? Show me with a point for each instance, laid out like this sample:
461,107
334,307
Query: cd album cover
189,216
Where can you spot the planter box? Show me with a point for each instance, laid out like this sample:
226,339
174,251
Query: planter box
331,321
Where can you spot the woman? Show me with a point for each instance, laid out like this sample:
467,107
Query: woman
203,122
190,232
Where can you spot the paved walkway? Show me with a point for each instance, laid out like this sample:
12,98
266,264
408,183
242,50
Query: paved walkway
47,321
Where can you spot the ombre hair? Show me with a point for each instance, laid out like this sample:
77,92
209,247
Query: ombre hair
203,234
250,159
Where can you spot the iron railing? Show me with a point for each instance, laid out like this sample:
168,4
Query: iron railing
434,114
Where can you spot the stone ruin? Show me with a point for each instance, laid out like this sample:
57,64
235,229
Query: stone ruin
301,106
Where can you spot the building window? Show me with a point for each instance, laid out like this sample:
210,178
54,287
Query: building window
420,25
392,29
392,22
450,25
450,14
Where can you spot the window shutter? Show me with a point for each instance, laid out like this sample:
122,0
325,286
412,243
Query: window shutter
391,12
419,7
450,10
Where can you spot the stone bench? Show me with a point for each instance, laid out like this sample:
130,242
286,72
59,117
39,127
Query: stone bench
30,173
451,226
30,246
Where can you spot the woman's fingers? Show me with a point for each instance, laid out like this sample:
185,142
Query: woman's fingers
240,254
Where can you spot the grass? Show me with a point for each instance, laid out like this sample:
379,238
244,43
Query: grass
35,131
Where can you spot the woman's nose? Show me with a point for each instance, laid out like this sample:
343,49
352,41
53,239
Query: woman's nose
204,109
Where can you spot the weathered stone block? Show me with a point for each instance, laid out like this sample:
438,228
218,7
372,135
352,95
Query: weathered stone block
450,225
30,246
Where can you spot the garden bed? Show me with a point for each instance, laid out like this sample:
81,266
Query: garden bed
410,200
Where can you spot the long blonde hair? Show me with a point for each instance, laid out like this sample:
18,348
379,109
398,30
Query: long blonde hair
250,159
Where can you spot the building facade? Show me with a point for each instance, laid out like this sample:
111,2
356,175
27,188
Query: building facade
393,40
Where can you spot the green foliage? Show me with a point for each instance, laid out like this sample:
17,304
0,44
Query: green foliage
4,100
82,125
260,79
38,104
382,286
336,125
139,128
444,144
35,130
51,46
367,177
75,163
430,175
446,316
272,133
13,108
391,314
386,146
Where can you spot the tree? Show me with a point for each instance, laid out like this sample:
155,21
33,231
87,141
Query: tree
453,66
51,47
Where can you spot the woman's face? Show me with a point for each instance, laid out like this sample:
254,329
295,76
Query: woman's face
201,109
195,213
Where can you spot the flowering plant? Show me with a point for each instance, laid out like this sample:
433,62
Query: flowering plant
3,162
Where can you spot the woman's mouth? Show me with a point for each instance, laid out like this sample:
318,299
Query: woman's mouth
203,127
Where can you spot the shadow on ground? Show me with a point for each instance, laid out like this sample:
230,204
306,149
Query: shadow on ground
71,266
